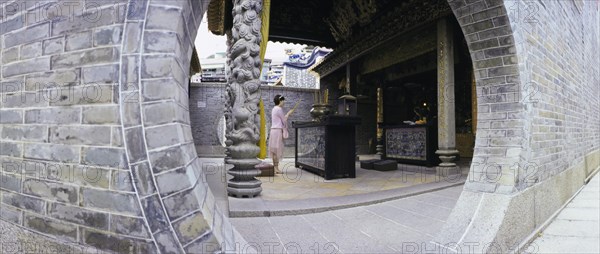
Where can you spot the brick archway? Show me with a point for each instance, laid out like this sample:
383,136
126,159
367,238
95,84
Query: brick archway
140,51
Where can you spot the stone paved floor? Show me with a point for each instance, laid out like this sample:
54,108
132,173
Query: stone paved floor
296,184
576,229
389,227
300,184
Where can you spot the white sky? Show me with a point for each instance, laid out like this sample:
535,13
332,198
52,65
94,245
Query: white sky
207,44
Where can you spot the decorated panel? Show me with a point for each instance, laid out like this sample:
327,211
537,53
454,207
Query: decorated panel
406,143
311,146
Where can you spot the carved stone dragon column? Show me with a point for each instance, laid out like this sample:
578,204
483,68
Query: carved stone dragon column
242,98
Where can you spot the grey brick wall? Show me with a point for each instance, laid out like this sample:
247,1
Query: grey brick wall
538,131
86,94
205,119
562,73
88,90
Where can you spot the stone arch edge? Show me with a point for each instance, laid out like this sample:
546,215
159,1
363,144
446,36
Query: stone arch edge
501,216
176,196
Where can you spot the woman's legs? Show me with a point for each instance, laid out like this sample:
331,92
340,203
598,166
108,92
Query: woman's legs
276,148
275,163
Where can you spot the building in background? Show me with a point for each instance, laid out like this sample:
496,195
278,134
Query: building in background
214,68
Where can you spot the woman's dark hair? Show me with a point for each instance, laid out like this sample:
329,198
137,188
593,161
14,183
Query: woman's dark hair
278,98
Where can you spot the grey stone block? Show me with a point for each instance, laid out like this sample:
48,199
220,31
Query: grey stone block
180,204
163,113
201,194
129,226
171,182
10,55
491,43
191,227
29,34
143,179
93,19
479,26
155,214
9,25
503,71
166,242
158,66
493,62
131,109
168,159
24,67
52,191
52,227
121,181
206,244
494,32
52,79
489,13
163,136
11,116
106,74
160,42
36,133
10,182
130,72
134,141
78,215
162,89
11,86
25,100
51,152
80,135
108,114
31,50
110,201
117,137
77,175
133,36
84,95
10,214
137,10
501,21
53,46
116,244
53,116
88,57
102,156
164,18
23,202
11,149
108,35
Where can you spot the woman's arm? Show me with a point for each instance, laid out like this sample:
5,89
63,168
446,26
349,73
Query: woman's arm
292,110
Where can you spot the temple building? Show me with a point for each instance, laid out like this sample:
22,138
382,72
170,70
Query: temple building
103,139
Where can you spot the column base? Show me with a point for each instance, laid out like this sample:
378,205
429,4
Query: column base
244,184
379,148
447,156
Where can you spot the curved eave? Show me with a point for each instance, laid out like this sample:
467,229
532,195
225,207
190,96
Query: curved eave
301,41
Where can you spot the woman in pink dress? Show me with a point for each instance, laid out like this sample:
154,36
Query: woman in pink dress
278,131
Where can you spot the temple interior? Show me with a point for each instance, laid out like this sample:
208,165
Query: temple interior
397,94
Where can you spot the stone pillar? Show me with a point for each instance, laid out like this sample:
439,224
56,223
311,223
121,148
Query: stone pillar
242,98
446,122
